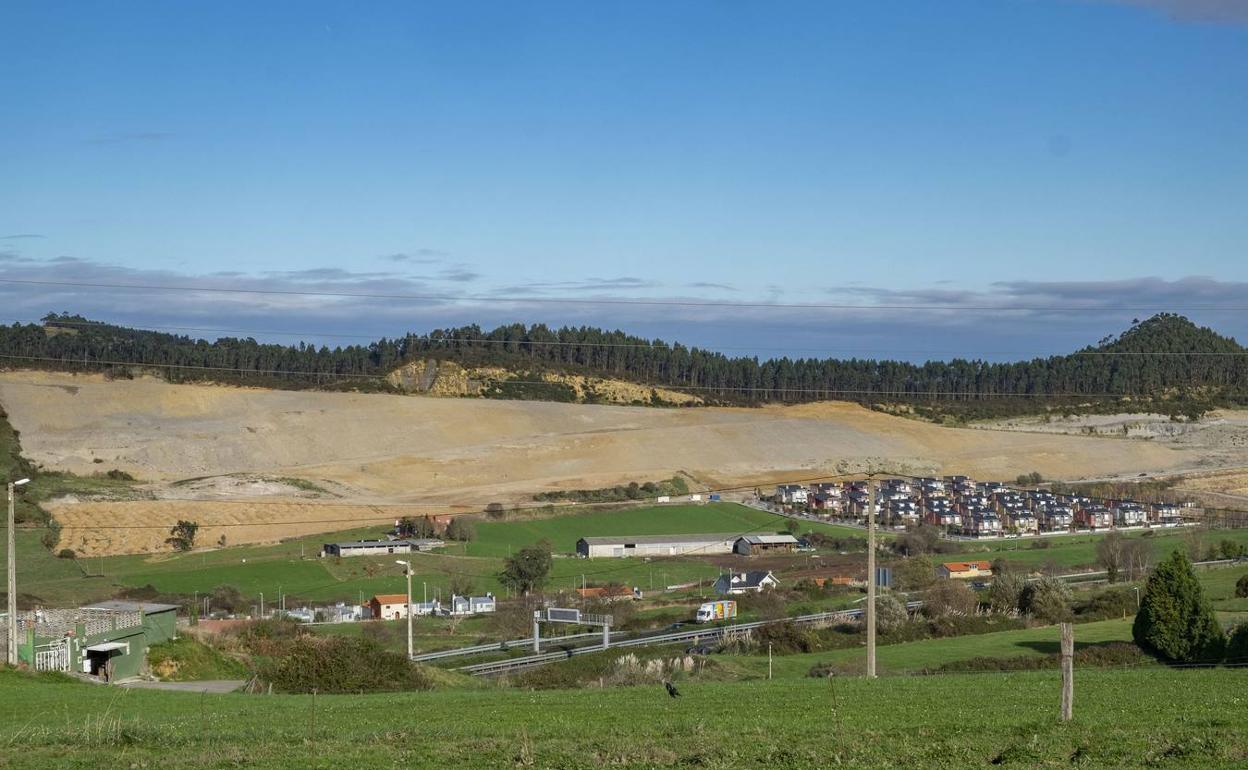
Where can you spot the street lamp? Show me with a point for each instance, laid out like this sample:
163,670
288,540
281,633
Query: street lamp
1137,598
407,571
12,555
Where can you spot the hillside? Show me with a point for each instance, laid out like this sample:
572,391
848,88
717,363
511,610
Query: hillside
373,449
1165,363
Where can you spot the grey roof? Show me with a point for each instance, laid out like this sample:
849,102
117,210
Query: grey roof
659,539
372,543
125,606
769,539
753,578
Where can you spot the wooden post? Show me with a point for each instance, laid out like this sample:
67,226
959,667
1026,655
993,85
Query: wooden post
1068,671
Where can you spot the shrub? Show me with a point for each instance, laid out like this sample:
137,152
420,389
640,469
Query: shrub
1007,589
1106,604
769,605
66,553
1046,599
949,597
118,475
341,664
1237,645
1241,587
785,638
1175,621
890,614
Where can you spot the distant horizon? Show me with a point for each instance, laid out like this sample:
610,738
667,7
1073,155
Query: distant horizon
293,338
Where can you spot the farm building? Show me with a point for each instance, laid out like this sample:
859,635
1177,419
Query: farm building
964,569
108,641
653,545
388,606
379,547
753,545
753,581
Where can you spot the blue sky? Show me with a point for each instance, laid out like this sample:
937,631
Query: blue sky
1080,155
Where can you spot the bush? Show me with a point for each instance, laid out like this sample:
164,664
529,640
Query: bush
1007,590
1046,599
341,664
769,605
949,597
890,614
1111,654
786,638
118,475
1175,621
66,553
1241,587
1237,645
1106,604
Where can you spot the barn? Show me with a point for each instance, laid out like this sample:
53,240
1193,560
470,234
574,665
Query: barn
654,545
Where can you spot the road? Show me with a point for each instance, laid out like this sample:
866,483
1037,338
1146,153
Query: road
214,686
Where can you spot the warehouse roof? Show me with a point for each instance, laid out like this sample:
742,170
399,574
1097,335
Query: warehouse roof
769,539
659,539
125,606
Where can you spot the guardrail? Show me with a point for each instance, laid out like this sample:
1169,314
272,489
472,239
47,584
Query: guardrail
533,661
481,649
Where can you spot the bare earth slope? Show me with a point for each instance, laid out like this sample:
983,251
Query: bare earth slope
382,449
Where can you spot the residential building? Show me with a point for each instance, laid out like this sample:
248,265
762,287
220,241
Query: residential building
754,581
389,606
791,494
964,569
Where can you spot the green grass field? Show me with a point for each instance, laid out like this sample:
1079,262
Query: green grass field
1079,550
1123,719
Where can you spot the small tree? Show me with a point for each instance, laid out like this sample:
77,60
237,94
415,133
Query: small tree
890,614
949,597
914,574
1241,587
182,536
1237,645
1175,621
417,527
1007,589
1046,599
1109,555
527,569
1137,557
460,529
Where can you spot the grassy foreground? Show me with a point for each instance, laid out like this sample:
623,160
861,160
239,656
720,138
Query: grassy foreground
1131,718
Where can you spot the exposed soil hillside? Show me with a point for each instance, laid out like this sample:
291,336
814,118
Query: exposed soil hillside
373,449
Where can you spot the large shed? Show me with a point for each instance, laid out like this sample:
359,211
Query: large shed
624,546
752,545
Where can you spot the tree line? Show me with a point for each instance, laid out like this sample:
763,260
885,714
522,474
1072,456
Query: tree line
1164,357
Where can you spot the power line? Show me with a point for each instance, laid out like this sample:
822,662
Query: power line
424,338
615,301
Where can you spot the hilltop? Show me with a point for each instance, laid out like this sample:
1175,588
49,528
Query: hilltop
1165,364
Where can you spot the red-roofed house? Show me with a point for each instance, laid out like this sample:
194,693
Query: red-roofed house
964,569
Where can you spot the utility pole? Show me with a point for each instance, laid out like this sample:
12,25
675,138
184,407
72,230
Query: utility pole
873,492
12,557
407,571
262,605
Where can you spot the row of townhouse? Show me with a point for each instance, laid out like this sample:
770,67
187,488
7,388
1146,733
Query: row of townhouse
962,504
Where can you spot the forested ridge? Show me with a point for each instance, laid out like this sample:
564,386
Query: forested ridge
1165,357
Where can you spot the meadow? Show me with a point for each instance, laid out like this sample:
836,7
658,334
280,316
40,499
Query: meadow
1123,719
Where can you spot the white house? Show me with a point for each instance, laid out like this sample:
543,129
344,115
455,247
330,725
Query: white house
792,493
754,581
